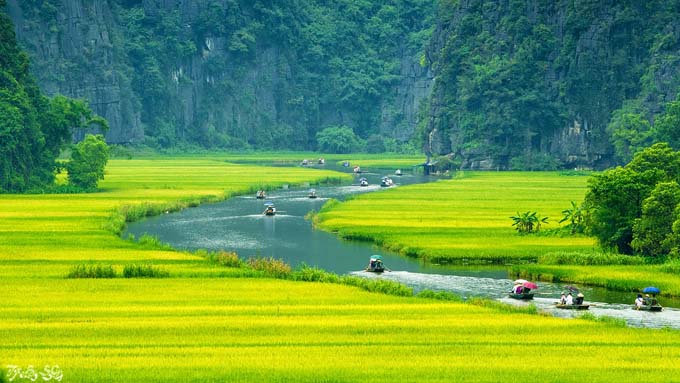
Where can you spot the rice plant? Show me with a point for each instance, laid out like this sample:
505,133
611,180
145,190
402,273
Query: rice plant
144,271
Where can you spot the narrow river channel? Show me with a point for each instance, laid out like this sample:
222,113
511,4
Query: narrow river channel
239,225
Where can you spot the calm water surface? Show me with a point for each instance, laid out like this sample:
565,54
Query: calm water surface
238,225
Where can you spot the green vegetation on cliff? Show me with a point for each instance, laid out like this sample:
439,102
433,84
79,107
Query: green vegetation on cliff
33,128
533,84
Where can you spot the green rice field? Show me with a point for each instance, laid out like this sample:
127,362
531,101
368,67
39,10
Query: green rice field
466,218
210,323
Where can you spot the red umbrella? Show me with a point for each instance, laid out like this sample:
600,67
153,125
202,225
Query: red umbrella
530,285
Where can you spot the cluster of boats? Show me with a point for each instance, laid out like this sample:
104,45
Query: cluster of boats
522,290
270,209
307,162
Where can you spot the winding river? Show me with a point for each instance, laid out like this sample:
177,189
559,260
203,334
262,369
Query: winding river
238,225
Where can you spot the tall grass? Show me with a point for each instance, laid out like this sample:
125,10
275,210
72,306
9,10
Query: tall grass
92,271
144,271
589,258
271,267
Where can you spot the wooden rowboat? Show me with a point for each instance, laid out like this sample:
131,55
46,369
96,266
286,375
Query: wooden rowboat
572,307
654,308
521,296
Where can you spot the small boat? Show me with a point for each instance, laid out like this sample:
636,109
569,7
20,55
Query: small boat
269,209
653,308
521,295
397,172
375,264
357,170
312,194
572,307
522,289
386,182
647,303
304,162
322,161
260,194
363,182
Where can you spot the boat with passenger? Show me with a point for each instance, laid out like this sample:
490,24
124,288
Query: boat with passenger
386,182
363,181
567,302
260,194
375,264
648,303
269,208
572,306
522,290
312,194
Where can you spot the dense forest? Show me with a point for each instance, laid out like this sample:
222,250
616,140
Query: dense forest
34,129
489,84
546,84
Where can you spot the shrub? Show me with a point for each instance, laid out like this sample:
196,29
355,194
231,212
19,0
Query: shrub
228,259
270,266
92,271
144,271
313,274
88,160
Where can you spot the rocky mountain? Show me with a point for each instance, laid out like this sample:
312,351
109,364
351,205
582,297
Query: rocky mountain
534,84
502,84
231,73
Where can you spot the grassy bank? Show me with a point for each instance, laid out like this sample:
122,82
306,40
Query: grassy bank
467,220
206,322
464,219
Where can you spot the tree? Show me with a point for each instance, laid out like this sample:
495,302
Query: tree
651,231
33,128
575,217
630,132
528,222
614,201
337,139
88,159
667,125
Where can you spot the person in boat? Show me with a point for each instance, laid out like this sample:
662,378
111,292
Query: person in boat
569,300
654,302
639,301
579,299
517,289
563,299
646,301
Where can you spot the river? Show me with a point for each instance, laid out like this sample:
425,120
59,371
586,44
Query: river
238,225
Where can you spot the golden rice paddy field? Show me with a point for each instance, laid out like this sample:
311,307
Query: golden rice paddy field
199,325
464,218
